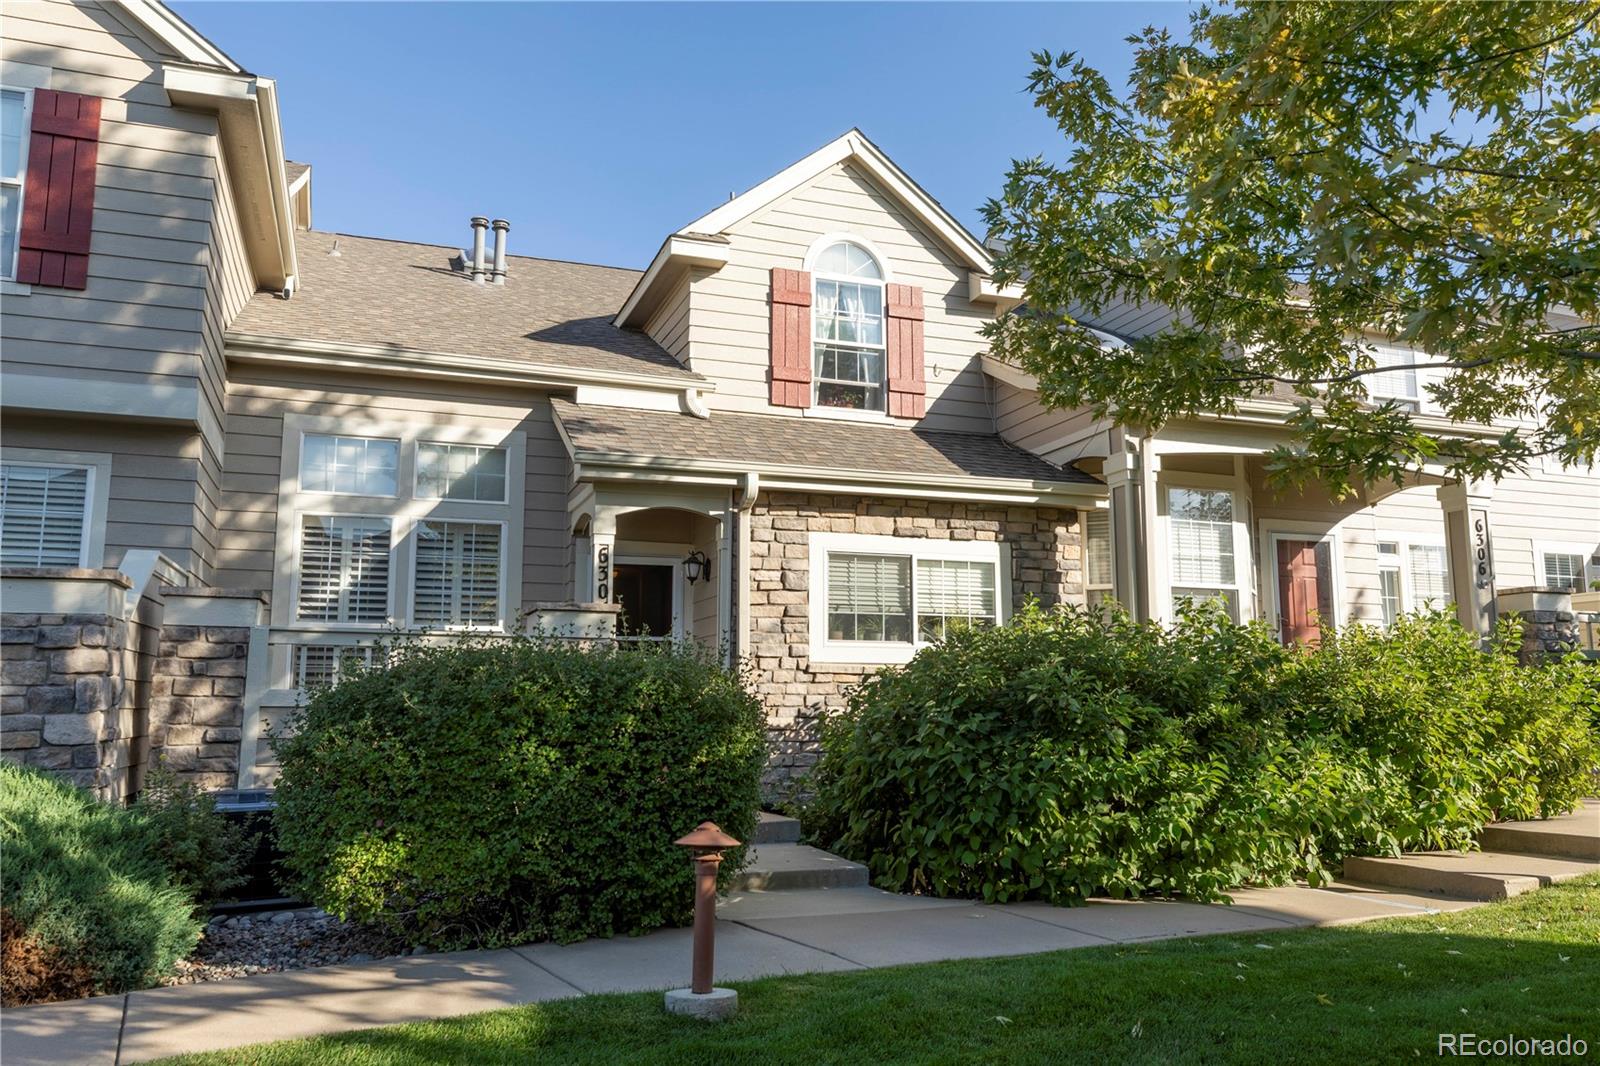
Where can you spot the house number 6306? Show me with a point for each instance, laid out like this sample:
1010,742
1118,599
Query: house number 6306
602,573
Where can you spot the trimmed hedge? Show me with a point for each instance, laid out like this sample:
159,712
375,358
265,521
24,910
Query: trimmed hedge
87,906
1069,754
488,793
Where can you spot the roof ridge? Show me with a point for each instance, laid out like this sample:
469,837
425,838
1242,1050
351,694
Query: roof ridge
458,248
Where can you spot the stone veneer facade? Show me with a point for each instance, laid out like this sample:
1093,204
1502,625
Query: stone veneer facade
1046,562
197,702
74,699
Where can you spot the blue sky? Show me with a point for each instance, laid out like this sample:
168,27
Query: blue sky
596,129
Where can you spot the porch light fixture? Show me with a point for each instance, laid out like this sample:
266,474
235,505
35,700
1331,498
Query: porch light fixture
697,566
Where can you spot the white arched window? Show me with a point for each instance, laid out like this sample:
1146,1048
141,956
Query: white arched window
847,345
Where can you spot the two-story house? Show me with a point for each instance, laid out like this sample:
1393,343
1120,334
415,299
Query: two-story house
237,450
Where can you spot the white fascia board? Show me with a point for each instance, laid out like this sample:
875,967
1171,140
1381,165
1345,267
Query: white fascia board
247,115
805,478
678,252
176,34
256,348
852,145
981,289
1003,371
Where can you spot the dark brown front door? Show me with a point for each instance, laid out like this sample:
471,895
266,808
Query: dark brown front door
1305,589
644,592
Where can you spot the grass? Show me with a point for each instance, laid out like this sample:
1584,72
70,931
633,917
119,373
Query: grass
1379,992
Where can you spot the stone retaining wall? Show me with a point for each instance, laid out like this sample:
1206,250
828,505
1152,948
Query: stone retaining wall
1549,624
1046,562
197,702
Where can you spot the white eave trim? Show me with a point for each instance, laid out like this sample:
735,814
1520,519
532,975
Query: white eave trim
176,34
379,359
981,289
247,111
1003,371
678,252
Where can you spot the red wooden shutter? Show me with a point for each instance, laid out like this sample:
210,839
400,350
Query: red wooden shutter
791,338
58,192
907,381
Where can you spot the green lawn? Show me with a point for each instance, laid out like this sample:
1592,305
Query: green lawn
1379,992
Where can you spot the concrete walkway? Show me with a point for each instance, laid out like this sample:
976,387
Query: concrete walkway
760,934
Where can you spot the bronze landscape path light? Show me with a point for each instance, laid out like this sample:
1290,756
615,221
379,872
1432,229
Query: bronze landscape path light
700,999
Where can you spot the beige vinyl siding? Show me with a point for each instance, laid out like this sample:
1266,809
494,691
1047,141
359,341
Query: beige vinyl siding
729,330
258,399
1061,437
155,471
669,326
166,270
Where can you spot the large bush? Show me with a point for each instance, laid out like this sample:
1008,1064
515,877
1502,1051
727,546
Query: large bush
86,905
1070,753
497,792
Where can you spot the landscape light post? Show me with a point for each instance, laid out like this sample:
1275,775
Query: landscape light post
701,999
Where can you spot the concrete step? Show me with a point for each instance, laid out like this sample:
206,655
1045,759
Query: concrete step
775,867
1484,875
777,829
1572,836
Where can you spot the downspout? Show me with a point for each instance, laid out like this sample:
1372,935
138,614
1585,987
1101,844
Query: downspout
739,590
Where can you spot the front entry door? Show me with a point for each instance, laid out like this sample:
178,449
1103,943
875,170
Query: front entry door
1305,589
644,592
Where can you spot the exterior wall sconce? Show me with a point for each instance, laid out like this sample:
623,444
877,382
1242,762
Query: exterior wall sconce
697,566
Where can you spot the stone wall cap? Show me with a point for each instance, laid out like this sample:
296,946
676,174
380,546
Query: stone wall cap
66,573
214,593
1545,589
569,605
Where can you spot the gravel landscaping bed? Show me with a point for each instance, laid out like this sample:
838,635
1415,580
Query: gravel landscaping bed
269,941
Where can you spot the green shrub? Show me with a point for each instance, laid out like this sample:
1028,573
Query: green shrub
1069,753
205,852
81,886
487,793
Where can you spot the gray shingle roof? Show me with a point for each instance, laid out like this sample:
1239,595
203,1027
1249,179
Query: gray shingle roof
399,295
293,170
743,440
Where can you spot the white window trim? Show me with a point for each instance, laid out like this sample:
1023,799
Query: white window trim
1407,583
404,511
876,653
97,493
394,552
818,246
1591,571
500,623
1243,556
399,449
8,271
416,474
1274,530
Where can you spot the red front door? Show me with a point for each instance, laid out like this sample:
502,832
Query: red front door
1304,589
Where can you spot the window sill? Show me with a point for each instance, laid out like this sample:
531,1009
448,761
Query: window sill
864,652
846,414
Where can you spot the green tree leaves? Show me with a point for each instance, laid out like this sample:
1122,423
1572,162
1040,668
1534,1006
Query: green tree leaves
1299,182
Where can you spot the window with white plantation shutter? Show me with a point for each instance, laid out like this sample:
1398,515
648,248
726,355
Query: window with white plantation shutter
344,569
869,597
1097,572
1562,569
43,514
457,579
1202,537
953,590
1430,576
1398,385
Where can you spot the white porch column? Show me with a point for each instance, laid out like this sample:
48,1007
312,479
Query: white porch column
1470,547
1132,485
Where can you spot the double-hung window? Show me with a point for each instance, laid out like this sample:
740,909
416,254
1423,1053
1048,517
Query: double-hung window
1566,566
848,350
44,514
879,598
14,138
1396,378
1202,546
1097,556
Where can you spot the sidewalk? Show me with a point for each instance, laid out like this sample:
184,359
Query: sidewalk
759,934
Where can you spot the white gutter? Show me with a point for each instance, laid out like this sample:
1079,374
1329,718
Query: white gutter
261,349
